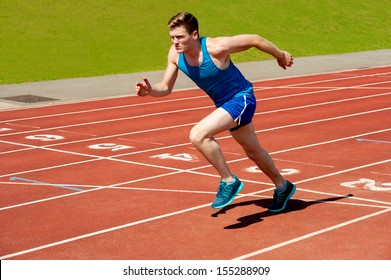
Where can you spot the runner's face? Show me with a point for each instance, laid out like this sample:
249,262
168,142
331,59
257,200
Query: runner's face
181,39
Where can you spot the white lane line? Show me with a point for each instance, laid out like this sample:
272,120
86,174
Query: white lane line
177,99
103,231
199,108
181,212
312,234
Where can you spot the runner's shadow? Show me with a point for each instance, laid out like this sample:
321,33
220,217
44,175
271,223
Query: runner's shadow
293,205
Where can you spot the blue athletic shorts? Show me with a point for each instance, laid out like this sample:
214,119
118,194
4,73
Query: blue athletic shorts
241,108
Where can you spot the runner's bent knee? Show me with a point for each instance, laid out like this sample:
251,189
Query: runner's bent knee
198,135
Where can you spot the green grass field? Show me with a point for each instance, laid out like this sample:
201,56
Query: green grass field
55,39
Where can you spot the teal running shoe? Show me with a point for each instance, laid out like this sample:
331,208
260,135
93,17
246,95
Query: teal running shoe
227,193
280,198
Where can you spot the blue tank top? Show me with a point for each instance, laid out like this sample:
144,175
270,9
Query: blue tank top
220,85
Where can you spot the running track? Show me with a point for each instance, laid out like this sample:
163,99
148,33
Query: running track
118,179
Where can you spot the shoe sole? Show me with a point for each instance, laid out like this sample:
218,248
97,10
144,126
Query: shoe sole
233,197
286,201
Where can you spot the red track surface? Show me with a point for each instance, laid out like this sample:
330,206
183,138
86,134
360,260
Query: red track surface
141,191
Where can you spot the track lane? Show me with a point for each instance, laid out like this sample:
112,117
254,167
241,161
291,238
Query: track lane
171,220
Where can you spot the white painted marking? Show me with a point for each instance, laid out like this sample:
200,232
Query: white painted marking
305,163
78,133
203,96
180,157
276,152
284,171
138,141
253,169
22,125
289,171
104,231
109,146
380,173
368,184
201,108
373,140
45,137
312,234
2,129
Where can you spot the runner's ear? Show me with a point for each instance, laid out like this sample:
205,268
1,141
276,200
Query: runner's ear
195,34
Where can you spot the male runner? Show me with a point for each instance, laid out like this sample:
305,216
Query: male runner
207,62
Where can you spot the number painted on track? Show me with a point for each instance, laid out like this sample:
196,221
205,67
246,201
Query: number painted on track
368,184
284,171
109,146
45,137
182,157
289,171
